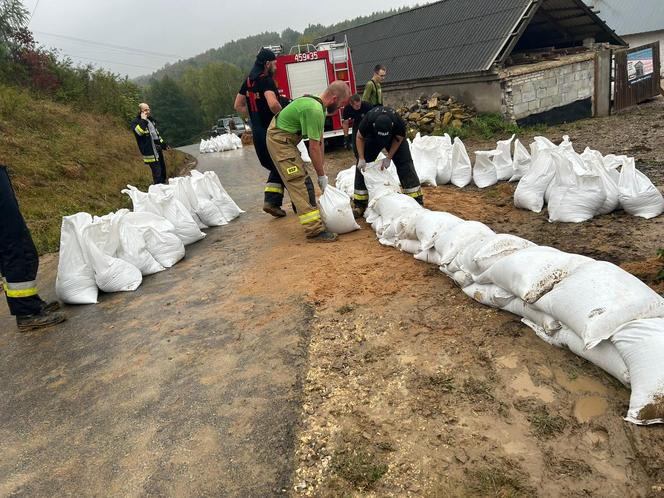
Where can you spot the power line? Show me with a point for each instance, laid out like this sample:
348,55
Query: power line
120,47
111,62
33,12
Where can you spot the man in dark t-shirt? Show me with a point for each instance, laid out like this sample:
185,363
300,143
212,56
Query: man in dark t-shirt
383,129
259,98
355,112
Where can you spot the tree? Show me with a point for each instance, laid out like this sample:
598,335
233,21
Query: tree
179,117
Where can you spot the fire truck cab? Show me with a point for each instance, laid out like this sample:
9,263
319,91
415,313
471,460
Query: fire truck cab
309,69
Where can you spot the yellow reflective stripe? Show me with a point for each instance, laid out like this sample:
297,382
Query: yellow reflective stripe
411,190
140,130
17,293
415,194
277,190
309,217
361,197
149,159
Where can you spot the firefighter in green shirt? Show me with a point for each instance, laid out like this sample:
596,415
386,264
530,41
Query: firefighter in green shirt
373,92
304,118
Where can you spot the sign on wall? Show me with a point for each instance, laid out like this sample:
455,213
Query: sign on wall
640,65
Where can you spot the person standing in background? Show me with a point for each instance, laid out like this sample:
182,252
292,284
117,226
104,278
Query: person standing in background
150,142
373,92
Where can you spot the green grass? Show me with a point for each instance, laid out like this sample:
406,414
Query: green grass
63,161
500,481
360,469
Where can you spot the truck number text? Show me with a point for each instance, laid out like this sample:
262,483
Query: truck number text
308,56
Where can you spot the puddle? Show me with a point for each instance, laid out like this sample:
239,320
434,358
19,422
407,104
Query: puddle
589,407
509,361
580,383
524,387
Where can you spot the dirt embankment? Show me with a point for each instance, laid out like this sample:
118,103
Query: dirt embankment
414,389
63,161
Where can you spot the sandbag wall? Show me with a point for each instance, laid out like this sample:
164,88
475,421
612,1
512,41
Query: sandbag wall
112,253
220,143
596,309
576,187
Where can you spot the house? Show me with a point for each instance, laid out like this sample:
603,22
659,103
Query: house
638,22
531,60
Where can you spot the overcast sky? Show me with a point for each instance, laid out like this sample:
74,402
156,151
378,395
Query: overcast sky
171,29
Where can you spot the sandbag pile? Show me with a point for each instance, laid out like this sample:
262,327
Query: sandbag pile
112,253
220,143
596,309
439,160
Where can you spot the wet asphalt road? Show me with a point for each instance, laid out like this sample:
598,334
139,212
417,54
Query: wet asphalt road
167,391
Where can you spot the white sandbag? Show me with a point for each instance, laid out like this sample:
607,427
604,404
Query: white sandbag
462,279
503,159
378,180
638,196
519,307
529,193
479,256
489,295
75,282
484,170
608,179
220,196
431,224
521,162
393,205
576,194
111,274
207,211
304,152
336,211
180,193
427,155
641,345
449,244
612,162
345,181
430,256
461,169
142,201
597,298
160,235
409,246
532,272
186,228
133,248
444,174
604,355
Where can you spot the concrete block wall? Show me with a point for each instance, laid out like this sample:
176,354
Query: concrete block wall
539,91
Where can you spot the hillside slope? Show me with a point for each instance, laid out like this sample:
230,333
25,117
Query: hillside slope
63,161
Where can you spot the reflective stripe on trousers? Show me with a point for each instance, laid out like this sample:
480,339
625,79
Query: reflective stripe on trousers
20,289
310,217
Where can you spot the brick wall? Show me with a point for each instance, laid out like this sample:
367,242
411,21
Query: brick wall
541,90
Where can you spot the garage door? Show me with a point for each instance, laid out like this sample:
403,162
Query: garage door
307,78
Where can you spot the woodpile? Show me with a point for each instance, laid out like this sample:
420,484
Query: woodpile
435,112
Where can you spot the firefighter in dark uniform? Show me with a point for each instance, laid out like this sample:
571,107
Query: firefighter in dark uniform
382,128
355,112
259,98
150,143
19,262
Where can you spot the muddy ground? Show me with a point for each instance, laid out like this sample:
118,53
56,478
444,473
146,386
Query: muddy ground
413,389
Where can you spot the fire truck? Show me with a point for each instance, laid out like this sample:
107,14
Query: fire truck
309,69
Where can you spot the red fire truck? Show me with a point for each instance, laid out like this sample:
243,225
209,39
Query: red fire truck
309,69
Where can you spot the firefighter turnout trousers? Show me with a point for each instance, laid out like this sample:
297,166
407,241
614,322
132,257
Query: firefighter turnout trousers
410,183
158,168
274,186
286,157
18,256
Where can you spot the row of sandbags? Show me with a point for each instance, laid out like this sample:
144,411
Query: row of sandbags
596,309
577,187
220,143
112,253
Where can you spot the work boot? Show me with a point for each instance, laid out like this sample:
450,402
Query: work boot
358,212
275,211
324,237
44,319
51,306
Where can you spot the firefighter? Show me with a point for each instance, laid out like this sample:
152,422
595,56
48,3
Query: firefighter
305,118
259,98
382,128
373,92
355,112
18,265
150,142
